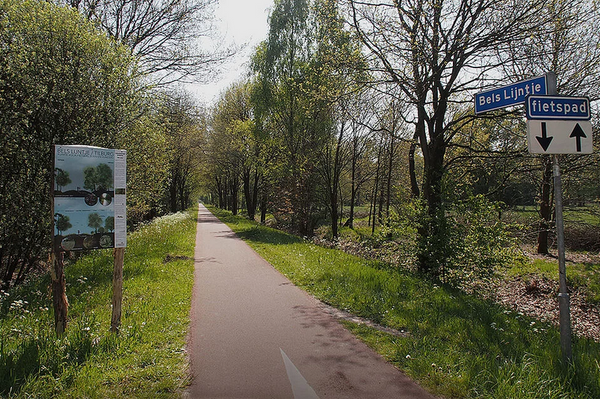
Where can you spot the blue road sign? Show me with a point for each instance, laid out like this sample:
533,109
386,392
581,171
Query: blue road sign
509,95
558,108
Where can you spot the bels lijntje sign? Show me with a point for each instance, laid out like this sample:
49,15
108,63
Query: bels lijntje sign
89,198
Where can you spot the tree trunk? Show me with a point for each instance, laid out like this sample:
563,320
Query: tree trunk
433,237
375,189
334,214
263,209
247,193
233,201
353,188
414,185
173,195
254,194
389,177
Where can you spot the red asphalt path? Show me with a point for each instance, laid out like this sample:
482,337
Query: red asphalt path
255,335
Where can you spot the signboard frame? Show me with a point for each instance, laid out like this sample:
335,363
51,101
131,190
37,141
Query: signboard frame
558,108
559,136
513,94
89,199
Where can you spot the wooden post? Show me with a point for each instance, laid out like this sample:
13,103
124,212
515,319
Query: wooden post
57,271
119,254
59,293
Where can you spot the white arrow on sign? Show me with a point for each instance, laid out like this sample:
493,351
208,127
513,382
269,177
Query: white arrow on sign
559,137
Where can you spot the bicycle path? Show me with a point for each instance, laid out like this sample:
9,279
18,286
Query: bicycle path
255,335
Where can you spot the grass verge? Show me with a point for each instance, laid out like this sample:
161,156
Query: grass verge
146,360
458,346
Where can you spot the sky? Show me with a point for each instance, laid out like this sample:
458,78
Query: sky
241,22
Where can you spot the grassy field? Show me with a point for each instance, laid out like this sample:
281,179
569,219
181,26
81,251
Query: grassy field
589,214
458,346
146,360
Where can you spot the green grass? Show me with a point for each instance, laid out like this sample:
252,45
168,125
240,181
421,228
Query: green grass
458,346
147,358
588,214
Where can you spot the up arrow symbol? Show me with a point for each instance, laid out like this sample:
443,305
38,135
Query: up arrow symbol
545,140
578,133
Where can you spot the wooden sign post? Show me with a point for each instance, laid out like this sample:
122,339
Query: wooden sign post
115,323
89,212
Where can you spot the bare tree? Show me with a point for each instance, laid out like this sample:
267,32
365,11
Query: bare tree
438,52
166,35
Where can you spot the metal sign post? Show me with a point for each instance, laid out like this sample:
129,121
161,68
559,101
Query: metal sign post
548,108
555,125
563,296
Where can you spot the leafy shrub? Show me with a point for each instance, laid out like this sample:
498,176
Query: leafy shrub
480,241
62,81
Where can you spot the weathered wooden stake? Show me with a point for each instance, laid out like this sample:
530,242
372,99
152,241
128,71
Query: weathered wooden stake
59,292
119,254
57,272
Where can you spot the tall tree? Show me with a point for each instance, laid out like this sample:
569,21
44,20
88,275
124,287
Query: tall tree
437,52
336,75
235,147
148,162
299,123
184,125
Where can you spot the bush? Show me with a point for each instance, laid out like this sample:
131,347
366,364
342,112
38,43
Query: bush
467,241
62,81
480,241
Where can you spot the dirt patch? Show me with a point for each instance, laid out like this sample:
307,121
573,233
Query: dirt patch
537,297
173,258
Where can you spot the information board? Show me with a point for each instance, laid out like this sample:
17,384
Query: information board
89,198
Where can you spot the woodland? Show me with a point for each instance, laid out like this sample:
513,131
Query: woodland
353,122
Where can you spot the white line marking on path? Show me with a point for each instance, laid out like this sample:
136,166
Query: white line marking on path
300,387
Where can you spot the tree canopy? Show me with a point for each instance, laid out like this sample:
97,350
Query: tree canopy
62,81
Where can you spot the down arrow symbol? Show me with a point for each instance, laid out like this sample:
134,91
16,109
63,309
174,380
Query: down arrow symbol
578,133
545,140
